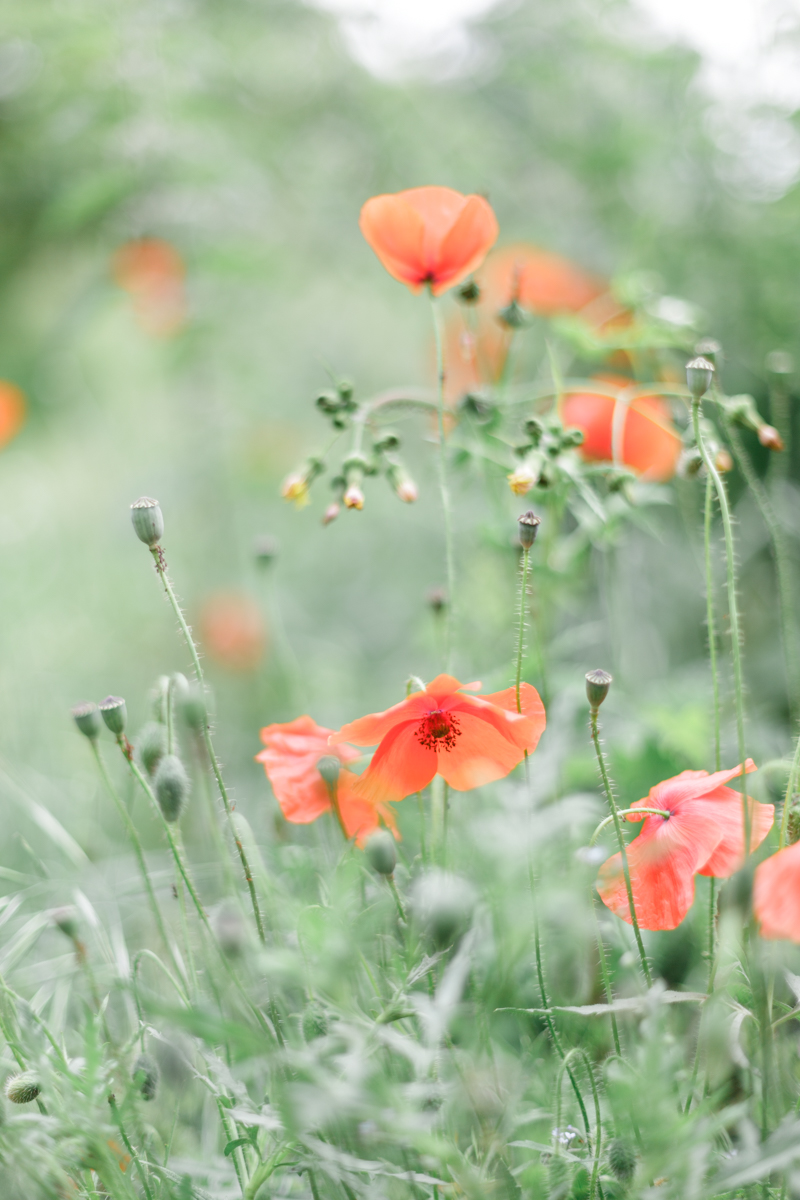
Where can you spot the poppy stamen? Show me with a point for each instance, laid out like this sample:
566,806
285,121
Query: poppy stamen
439,730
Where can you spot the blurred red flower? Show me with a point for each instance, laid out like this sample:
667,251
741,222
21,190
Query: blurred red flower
468,740
776,895
290,761
152,272
232,631
648,442
430,235
703,835
12,411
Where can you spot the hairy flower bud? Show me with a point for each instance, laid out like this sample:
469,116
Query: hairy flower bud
597,685
230,930
145,1075
621,1159
699,374
148,521
151,745
769,437
87,718
171,786
528,527
21,1089
114,713
723,461
381,852
192,704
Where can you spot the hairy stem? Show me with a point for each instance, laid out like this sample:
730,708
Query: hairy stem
444,491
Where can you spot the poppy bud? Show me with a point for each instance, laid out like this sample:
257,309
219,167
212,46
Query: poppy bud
769,437
193,705
21,1089
469,292
534,430
151,745
387,442
315,1022
145,1075
699,374
381,852
621,1159
442,904
778,362
528,527
354,497
723,461
265,549
148,521
329,767
115,714
331,513
66,919
158,698
597,685
513,316
87,718
437,599
171,786
571,438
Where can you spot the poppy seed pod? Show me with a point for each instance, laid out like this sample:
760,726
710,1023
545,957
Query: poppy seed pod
621,1159
21,1089
597,685
329,767
145,1075
115,714
699,374
381,852
148,521
171,786
528,527
87,718
151,745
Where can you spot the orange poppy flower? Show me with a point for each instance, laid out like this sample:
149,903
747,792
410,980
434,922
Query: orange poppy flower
152,272
648,441
430,235
703,835
776,895
12,410
232,631
468,740
290,760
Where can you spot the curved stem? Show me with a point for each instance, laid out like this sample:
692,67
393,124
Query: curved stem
443,487
733,607
710,621
161,567
623,852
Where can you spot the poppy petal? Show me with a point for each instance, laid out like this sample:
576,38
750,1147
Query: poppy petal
482,753
466,245
290,757
359,817
776,895
689,786
727,813
401,765
396,232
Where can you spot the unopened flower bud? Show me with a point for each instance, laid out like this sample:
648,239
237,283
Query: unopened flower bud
723,461
158,698
571,438
87,718
523,479
265,549
690,463
769,437
381,852
295,488
597,685
621,1159
437,598
534,430
21,1089
513,316
699,374
115,714
192,704
407,490
354,497
171,786
331,513
528,527
442,905
315,1022
387,442
779,362
151,745
148,521
469,292
66,919
329,767
145,1075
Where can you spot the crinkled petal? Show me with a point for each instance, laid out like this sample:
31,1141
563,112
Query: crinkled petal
368,731
396,232
290,757
689,785
482,753
465,246
776,895
401,765
724,806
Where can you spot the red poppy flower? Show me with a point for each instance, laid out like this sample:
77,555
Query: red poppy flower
429,235
12,410
648,441
703,835
290,761
152,272
776,895
232,631
468,740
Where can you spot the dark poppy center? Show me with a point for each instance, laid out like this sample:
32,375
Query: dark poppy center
438,731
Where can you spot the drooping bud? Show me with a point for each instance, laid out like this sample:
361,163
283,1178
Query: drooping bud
407,490
381,852
769,437
621,1159
329,767
145,1075
265,549
597,685
114,713
354,497
171,786
469,292
148,521
151,745
66,919
528,527
295,488
690,463
315,1022
723,461
87,718
699,374
523,479
442,904
21,1089
331,513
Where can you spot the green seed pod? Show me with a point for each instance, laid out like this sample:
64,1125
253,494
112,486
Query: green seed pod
597,685
528,527
148,521
151,745
442,905
21,1089
381,852
621,1159
699,375
87,718
315,1022
146,1075
115,714
66,919
171,786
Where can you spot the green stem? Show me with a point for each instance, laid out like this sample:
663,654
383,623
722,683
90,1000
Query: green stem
161,567
623,852
138,852
134,1156
710,621
400,910
601,950
443,488
791,788
577,1052
523,592
626,812
733,607
422,847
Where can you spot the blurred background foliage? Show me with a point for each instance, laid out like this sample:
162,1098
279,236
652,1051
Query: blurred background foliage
245,136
